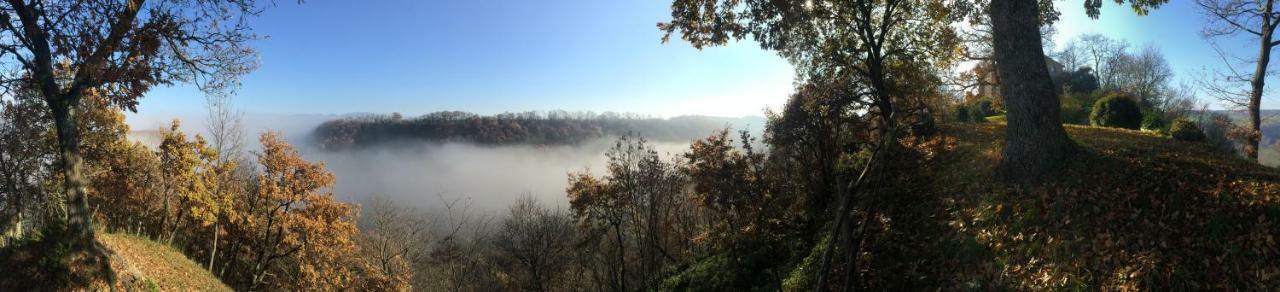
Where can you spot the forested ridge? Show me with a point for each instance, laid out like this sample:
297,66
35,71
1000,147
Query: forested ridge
528,128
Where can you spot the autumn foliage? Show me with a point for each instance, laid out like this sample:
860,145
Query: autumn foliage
267,225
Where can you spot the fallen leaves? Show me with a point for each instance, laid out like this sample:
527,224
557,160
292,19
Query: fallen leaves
1132,212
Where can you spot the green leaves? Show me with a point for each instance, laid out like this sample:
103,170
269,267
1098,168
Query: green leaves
1140,7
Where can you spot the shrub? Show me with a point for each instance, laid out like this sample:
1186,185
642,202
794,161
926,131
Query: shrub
1153,121
976,115
962,113
1076,106
1116,111
1186,130
975,111
1073,109
1217,128
982,109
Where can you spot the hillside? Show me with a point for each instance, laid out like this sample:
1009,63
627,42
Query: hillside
139,264
1131,211
153,264
531,128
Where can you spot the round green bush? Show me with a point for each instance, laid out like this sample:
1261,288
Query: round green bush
1116,111
962,113
1186,130
1152,121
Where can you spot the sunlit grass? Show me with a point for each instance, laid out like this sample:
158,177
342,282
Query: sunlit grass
158,265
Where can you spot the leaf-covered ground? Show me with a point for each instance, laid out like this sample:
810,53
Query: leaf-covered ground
151,265
1131,211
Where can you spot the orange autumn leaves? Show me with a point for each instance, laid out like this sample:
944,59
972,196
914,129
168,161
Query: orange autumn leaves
314,231
275,226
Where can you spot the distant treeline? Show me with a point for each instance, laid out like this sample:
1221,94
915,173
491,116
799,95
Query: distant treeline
537,128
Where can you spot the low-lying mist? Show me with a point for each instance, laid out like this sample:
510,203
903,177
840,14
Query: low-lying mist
490,177
425,174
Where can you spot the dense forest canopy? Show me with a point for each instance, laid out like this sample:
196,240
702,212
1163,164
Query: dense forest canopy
535,128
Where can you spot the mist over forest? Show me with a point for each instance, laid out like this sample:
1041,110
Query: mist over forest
424,172
421,174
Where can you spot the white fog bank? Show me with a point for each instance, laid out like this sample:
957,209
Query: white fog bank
418,174
492,177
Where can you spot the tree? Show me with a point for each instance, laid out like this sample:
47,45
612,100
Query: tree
1144,74
1256,20
229,171
977,46
65,49
128,192
183,189
858,42
635,214
873,57
22,155
1082,81
125,177
1104,55
1071,56
225,127
393,238
535,245
1035,142
599,212
293,227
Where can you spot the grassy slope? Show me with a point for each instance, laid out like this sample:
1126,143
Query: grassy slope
140,262
1129,211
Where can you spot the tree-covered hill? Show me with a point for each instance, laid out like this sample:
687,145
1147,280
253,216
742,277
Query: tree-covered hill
551,128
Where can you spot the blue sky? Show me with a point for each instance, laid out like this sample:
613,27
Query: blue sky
1174,28
490,56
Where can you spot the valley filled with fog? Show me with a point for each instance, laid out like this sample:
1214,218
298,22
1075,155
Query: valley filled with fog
427,174
423,174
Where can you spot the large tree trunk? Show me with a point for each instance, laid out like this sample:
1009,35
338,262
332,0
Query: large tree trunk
79,217
1257,84
1035,143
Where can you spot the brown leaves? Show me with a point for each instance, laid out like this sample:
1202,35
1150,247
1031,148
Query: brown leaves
308,234
1145,213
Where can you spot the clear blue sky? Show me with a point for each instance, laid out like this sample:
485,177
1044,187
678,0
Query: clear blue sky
489,56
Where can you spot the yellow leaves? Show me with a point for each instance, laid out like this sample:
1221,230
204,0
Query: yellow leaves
320,226
189,175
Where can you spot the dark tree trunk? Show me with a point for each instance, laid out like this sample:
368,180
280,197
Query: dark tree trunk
1258,83
79,218
622,262
1035,143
